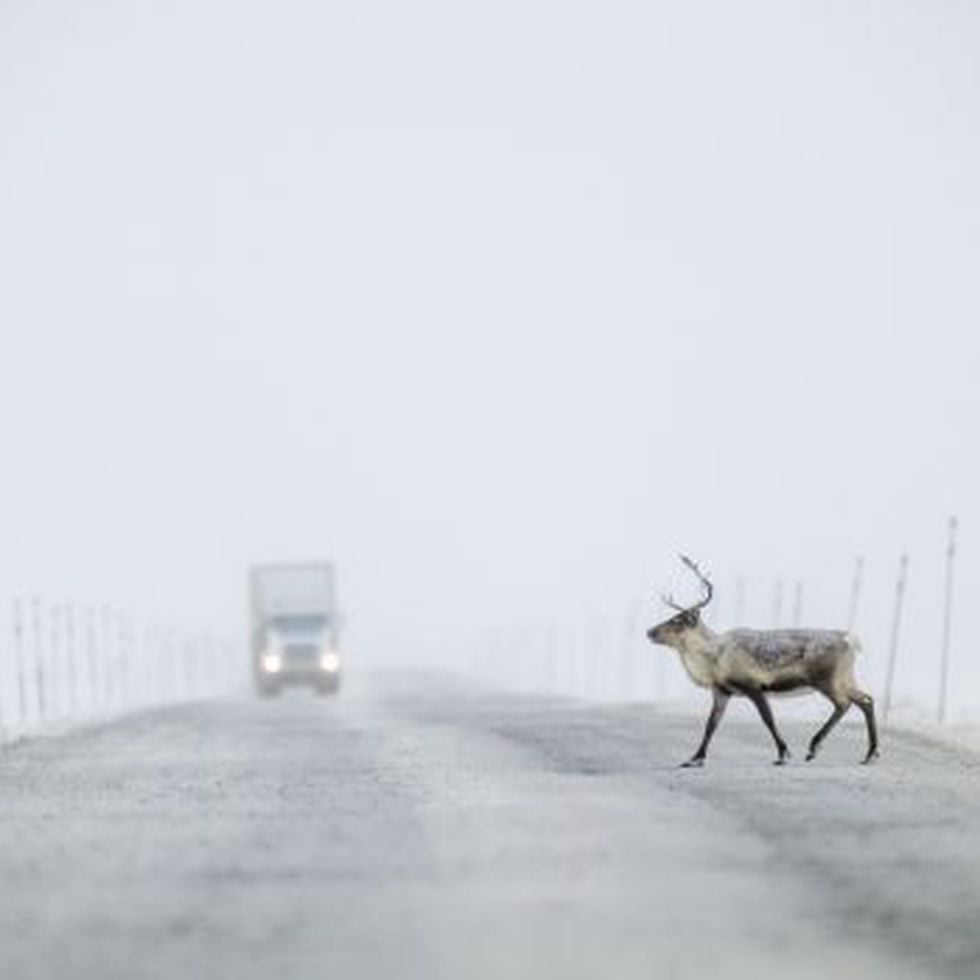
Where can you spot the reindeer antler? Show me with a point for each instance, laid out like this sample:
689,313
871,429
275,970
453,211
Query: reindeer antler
703,579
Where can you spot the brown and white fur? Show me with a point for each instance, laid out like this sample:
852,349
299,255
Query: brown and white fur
755,663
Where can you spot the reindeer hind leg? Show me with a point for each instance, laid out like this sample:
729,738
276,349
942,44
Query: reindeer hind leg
840,709
866,703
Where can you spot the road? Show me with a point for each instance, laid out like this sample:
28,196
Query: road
419,828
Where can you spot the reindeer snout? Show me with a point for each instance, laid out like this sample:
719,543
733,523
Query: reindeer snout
653,634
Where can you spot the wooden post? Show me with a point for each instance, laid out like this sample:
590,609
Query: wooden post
631,635
39,680
122,659
56,687
856,583
596,646
552,680
947,619
91,649
777,604
21,665
107,657
739,601
903,567
72,671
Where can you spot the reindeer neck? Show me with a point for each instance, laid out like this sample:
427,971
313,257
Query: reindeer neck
698,639
696,649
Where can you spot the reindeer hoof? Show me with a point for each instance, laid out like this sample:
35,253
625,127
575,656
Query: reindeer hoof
811,755
783,758
870,757
694,763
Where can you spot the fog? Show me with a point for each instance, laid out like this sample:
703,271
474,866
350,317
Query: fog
498,306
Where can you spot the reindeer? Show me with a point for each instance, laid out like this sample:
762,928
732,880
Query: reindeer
754,663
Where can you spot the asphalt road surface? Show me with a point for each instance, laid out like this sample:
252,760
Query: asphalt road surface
423,829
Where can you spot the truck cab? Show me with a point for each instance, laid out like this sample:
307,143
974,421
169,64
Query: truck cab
294,628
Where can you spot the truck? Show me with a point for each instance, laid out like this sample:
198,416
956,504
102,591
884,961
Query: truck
295,627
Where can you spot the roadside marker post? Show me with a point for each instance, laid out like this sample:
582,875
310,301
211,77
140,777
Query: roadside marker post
947,619
900,585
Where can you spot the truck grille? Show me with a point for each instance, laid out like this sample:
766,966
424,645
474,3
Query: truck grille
301,655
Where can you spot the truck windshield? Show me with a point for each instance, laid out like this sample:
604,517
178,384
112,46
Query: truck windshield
299,625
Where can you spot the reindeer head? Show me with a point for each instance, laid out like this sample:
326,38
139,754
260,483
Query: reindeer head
687,618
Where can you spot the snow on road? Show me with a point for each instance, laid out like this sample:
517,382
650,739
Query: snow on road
423,829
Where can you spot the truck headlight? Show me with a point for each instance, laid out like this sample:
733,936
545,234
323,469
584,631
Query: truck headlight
330,662
271,662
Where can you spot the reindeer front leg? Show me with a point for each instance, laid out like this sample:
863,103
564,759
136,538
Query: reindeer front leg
765,712
717,710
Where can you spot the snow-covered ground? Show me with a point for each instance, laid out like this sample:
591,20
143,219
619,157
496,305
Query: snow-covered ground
420,827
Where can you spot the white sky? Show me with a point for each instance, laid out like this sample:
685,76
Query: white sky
498,304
